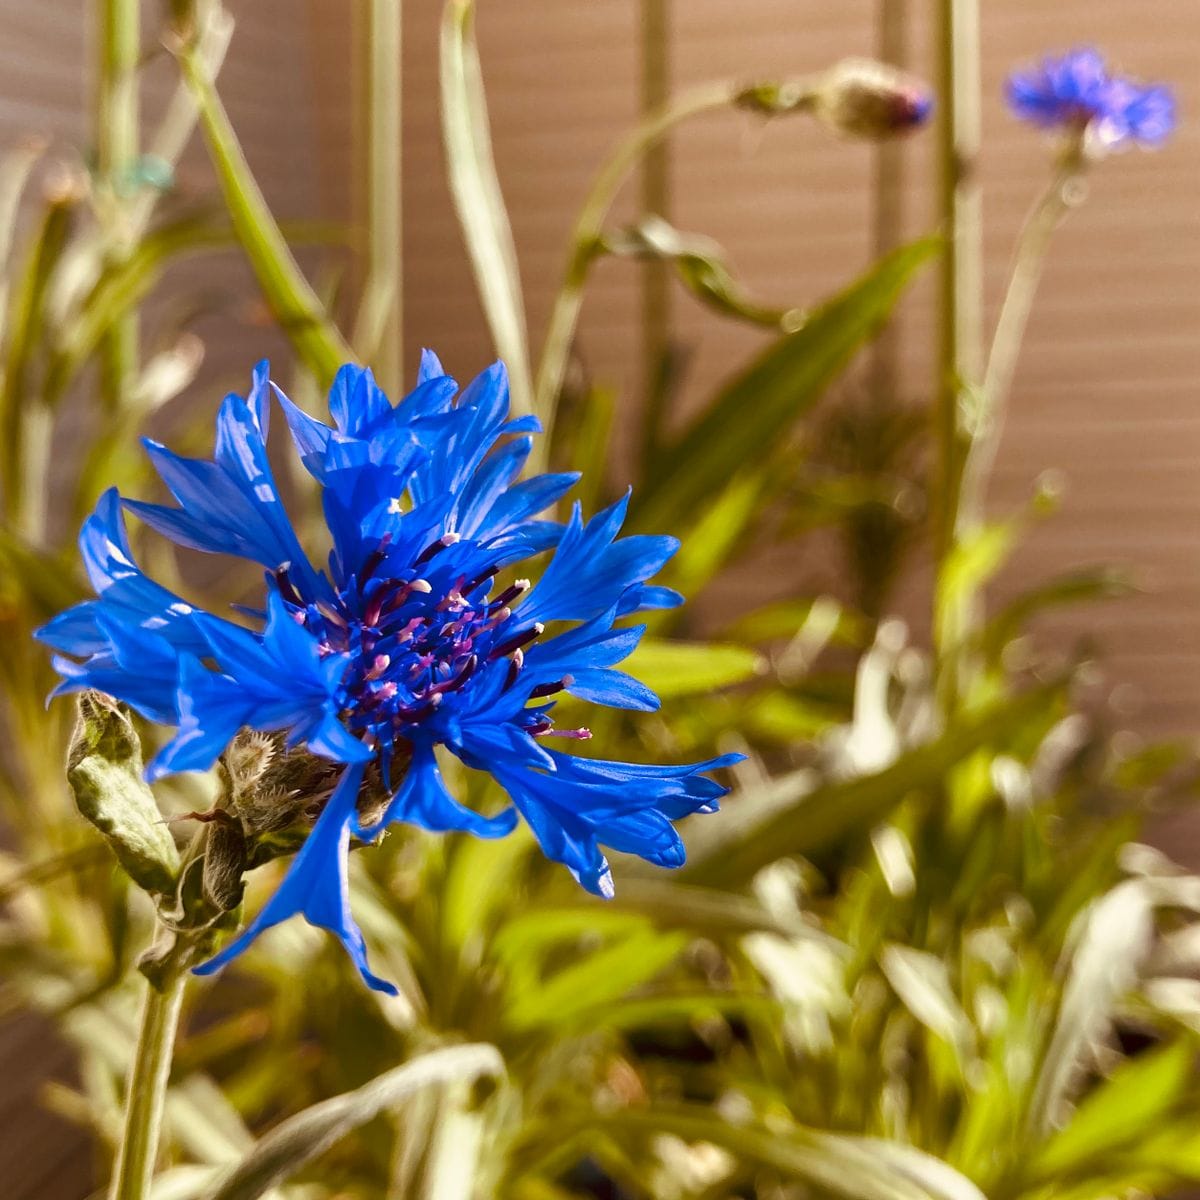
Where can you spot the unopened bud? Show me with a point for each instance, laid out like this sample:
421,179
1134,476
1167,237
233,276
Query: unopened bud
862,98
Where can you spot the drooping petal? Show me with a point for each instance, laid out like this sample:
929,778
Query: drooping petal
316,886
423,800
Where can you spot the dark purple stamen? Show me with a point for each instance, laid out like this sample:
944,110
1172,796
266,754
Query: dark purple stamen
468,588
510,594
518,640
551,689
453,684
374,559
445,541
287,589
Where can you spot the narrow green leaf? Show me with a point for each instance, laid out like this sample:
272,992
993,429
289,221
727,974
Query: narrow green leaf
700,264
922,982
1075,587
971,563
689,668
1113,941
1131,1104
294,1143
852,1167
296,306
716,538
819,818
104,768
603,975
756,409
15,168
478,199
24,324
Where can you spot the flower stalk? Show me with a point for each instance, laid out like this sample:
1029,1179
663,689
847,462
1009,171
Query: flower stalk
147,1090
655,199
380,335
887,218
1066,191
586,235
296,306
960,291
116,158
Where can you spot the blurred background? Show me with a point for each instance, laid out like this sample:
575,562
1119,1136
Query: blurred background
1105,389
1104,397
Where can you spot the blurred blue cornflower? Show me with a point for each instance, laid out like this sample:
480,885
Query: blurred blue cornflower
1076,92
404,643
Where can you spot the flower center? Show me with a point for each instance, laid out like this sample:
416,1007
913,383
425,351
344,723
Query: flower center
416,638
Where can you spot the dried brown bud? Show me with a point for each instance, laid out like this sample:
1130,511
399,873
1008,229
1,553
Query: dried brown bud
862,98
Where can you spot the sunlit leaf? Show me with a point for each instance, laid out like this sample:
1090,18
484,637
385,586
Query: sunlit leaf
819,818
675,669
1127,1106
477,197
294,1143
758,407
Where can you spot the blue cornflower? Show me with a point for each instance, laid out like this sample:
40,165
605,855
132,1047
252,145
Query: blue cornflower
1076,92
406,642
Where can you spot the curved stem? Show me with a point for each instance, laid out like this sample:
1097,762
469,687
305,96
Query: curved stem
589,225
960,295
147,1091
655,198
1063,193
116,155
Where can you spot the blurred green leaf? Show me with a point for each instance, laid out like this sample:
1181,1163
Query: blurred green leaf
855,1168
294,1143
721,531
676,669
971,562
104,767
1074,587
1112,942
922,982
700,265
291,297
24,328
47,586
1132,1103
821,817
787,618
604,975
753,412
478,199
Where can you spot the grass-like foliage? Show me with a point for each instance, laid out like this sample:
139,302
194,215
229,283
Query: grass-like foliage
920,954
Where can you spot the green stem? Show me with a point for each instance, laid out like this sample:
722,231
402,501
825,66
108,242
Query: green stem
147,1091
1063,193
790,96
889,190
381,332
295,305
960,287
116,156
656,275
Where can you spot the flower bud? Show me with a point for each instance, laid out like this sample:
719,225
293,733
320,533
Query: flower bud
271,789
862,98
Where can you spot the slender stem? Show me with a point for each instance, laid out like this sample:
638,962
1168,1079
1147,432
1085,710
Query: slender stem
116,157
790,96
889,189
295,304
147,1091
382,333
214,29
656,276
1063,193
960,288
